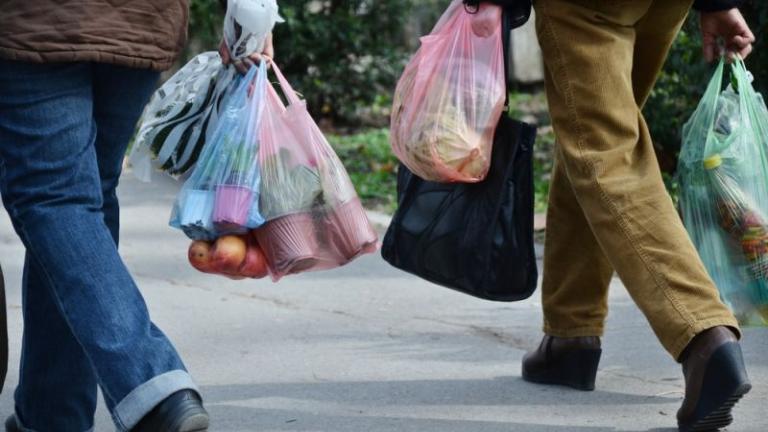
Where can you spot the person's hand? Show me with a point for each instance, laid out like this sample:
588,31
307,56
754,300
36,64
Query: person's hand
730,27
243,65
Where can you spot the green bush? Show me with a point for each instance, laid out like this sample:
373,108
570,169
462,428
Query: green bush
344,55
205,23
756,12
368,158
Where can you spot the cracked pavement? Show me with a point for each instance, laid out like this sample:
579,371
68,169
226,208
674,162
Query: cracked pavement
368,348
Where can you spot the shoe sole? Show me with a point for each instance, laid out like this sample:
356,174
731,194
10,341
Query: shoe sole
577,370
720,417
197,422
724,388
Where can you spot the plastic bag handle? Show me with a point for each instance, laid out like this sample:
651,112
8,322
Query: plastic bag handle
290,94
246,81
712,93
749,99
258,93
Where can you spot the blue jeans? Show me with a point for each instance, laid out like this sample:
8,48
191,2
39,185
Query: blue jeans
64,129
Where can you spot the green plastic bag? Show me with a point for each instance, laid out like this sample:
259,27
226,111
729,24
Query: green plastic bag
723,176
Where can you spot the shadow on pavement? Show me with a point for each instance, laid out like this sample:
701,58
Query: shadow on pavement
420,405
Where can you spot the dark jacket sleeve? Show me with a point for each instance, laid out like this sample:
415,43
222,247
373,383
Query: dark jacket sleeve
716,5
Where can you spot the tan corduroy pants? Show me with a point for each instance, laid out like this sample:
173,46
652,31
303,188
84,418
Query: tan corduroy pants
608,209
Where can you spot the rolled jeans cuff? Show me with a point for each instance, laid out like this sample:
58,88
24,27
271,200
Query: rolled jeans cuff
141,400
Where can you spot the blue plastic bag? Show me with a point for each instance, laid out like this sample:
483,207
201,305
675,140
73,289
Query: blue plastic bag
222,194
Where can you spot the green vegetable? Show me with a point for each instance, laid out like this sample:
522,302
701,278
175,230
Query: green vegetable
287,187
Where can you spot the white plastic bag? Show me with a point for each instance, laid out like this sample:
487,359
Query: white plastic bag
183,114
181,117
248,24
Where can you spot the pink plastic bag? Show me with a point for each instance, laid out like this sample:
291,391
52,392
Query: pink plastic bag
315,220
451,96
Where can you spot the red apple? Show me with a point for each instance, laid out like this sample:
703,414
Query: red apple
228,255
200,256
255,265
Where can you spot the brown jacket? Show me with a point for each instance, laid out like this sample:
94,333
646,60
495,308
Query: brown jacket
146,34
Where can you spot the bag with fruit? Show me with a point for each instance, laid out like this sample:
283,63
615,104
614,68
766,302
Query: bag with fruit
723,174
183,114
222,194
451,96
314,218
236,257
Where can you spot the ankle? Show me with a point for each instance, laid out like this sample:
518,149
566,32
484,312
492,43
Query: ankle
709,339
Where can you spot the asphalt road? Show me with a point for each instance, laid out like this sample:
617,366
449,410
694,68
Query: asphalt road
368,348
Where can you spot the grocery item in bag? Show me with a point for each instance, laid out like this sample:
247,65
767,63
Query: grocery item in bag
450,97
723,173
236,257
315,220
183,114
221,195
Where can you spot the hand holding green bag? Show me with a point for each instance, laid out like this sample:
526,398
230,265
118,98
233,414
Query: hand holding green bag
723,173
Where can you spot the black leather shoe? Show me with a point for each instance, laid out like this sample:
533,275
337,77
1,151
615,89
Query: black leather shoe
11,425
570,362
715,380
181,412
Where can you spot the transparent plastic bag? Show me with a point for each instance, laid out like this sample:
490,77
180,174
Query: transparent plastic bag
222,194
315,220
723,174
181,117
451,96
183,114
